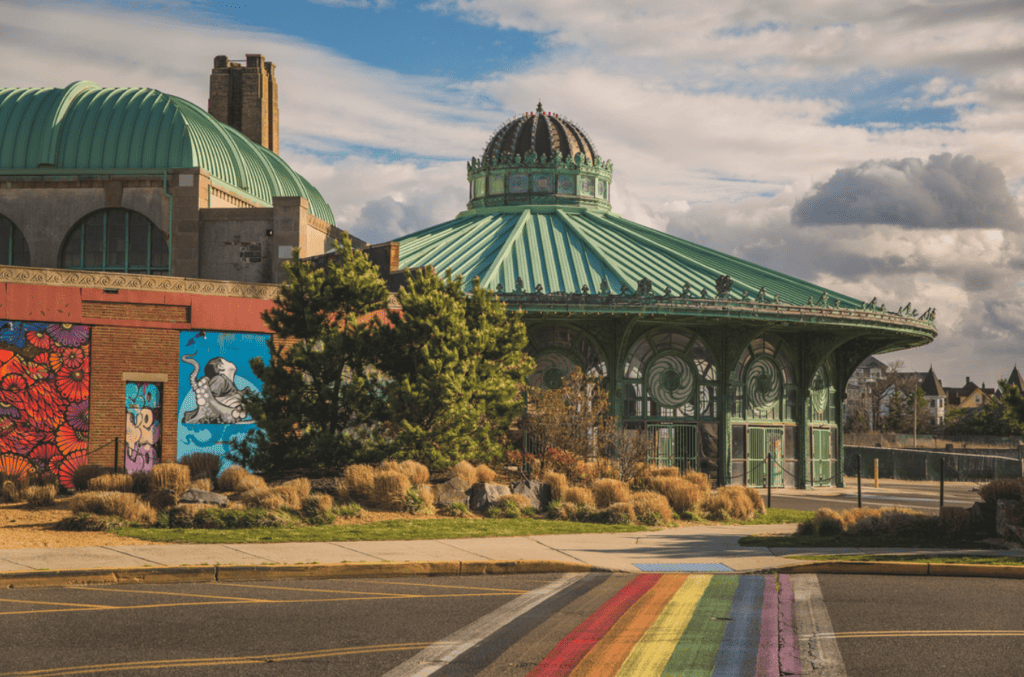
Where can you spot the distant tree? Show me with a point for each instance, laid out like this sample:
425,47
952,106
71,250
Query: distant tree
907,412
999,417
321,393
455,368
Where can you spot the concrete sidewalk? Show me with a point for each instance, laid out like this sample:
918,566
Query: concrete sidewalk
680,548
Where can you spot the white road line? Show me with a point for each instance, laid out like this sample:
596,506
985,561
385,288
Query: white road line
440,654
819,651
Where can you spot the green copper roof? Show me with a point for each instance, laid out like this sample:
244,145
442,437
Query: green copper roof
563,249
87,127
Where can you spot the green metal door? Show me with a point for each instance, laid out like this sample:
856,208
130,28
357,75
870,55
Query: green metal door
676,445
821,455
764,447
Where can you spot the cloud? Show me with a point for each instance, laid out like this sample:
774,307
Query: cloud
947,191
358,4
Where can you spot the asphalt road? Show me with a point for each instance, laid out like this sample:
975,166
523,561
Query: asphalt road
904,626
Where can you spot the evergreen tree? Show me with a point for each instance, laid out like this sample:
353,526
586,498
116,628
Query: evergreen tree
455,367
999,417
320,391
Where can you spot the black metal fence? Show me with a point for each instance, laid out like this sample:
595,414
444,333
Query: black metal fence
913,464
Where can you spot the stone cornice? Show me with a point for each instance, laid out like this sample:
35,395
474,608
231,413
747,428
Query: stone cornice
56,277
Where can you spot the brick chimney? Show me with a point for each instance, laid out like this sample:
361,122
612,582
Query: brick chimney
245,97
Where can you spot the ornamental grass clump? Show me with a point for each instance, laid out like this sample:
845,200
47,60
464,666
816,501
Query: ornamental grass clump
484,474
389,489
10,491
293,491
416,472
558,483
419,500
172,477
83,473
203,484
684,497
263,497
955,523
579,496
619,513
608,491
464,470
202,464
112,483
40,496
731,502
1006,490
360,478
230,480
755,499
698,478
651,508
318,509
825,522
115,503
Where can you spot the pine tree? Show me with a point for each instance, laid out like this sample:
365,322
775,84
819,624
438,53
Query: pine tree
321,393
455,367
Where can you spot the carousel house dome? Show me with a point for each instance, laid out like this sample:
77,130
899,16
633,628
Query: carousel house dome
735,369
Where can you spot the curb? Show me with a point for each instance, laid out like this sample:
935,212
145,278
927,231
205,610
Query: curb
212,574
905,569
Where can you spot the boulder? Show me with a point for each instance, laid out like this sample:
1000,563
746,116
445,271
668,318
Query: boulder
455,490
538,492
199,496
1008,514
485,495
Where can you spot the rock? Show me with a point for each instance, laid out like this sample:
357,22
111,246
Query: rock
1016,533
1008,513
538,492
485,495
199,496
455,490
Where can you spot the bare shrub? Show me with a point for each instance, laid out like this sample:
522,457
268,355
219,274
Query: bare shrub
416,472
465,470
955,523
262,497
202,484
558,483
202,464
111,483
230,478
698,478
117,503
83,473
359,479
651,508
608,491
755,499
40,496
620,513
389,489
729,502
684,497
171,477
579,496
1007,490
485,474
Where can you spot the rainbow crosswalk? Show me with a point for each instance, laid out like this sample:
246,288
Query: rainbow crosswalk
694,625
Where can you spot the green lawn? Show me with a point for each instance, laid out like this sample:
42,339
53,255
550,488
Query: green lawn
394,530
928,559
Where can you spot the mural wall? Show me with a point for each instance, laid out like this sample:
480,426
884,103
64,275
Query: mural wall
44,398
143,403
213,375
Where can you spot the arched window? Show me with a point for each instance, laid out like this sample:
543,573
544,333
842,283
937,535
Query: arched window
13,247
670,375
558,351
763,383
116,240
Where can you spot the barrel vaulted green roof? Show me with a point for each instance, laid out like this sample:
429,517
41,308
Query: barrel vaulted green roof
88,127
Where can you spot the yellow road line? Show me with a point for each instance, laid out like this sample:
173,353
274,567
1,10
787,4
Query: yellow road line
165,592
353,592
84,606
226,660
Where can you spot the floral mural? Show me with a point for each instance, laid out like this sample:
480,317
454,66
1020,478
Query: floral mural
44,398
214,376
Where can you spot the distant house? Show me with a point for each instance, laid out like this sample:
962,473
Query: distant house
971,396
909,382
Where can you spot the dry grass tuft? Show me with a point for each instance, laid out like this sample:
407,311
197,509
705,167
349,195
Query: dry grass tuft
416,472
579,496
389,466
664,471
83,473
262,497
826,522
231,477
202,464
10,492
854,515
730,502
389,489
112,483
698,478
1007,490
318,509
608,491
427,492
359,479
651,508
955,523
485,474
620,513
520,500
465,470
171,477
203,484
684,497
40,497
756,500
558,483
339,489
117,503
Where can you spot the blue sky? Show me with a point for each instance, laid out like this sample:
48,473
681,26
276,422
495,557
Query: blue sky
779,132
